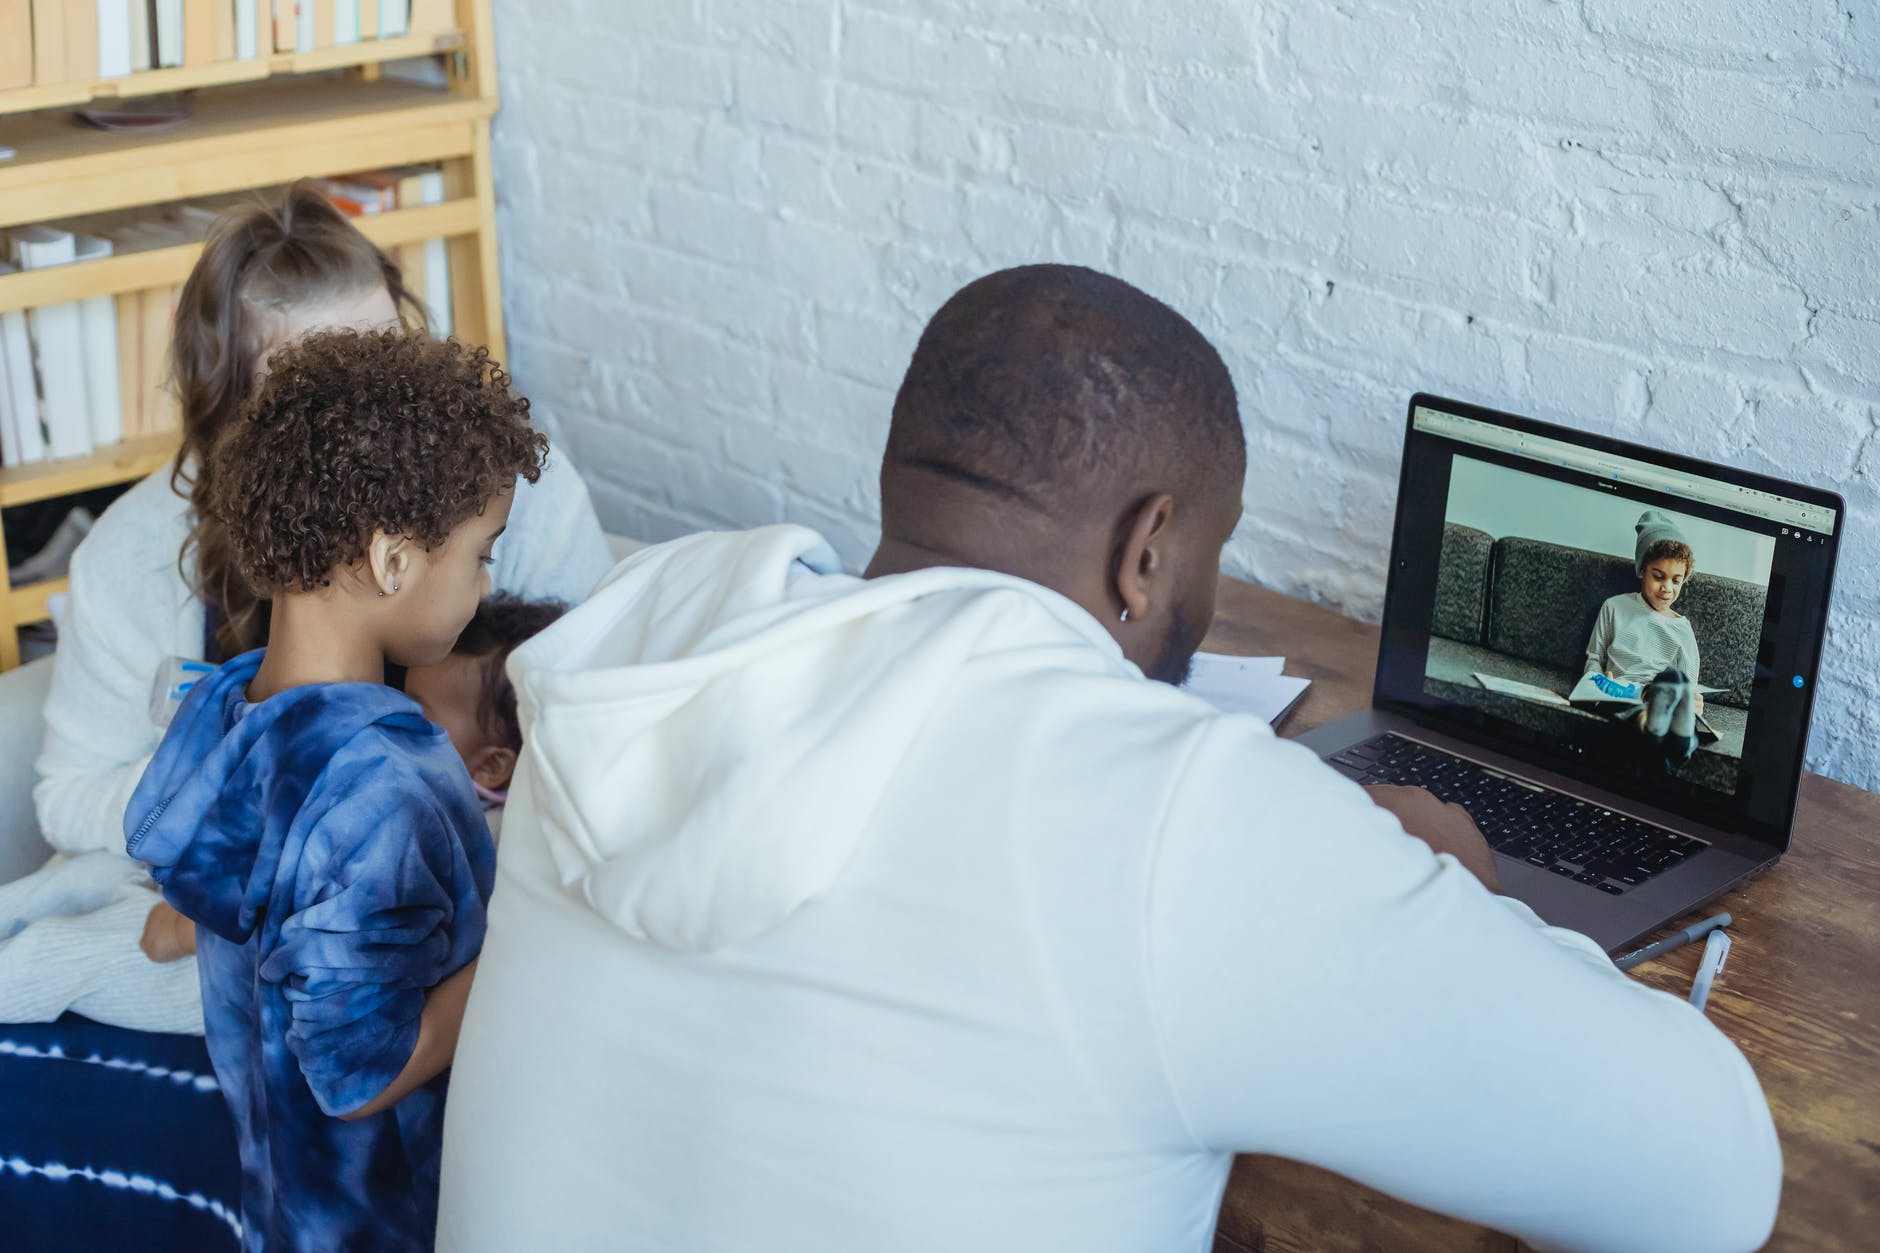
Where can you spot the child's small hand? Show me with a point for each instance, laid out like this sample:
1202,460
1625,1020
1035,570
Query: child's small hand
168,936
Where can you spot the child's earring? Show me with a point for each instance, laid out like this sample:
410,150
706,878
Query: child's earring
1125,617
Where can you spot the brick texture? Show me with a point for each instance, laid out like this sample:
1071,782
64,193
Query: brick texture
725,221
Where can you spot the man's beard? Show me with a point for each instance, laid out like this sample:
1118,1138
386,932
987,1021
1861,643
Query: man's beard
1176,657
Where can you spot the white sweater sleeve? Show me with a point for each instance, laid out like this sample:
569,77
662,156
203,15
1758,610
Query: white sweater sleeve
1598,642
554,546
1328,990
119,630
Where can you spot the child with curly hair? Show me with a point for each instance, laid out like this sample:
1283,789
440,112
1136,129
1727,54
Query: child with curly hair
322,834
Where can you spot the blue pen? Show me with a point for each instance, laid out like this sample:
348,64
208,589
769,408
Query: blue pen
1716,949
1677,939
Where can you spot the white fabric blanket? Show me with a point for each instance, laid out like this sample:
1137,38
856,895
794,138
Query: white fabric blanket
69,938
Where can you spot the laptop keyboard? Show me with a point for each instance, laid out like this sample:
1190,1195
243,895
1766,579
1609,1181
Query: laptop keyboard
1572,838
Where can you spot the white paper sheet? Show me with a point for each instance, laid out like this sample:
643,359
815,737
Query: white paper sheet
1246,685
1525,691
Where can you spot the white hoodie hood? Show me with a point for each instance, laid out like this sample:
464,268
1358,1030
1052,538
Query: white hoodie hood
706,738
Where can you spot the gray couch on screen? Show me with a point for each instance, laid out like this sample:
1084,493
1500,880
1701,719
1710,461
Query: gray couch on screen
1523,609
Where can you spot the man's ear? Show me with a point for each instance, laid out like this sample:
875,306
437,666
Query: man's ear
1142,559
493,766
388,562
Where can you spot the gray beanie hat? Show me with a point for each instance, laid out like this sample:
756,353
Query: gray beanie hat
1653,527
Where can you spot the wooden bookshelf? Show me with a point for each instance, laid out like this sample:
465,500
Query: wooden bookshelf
255,124
225,73
118,463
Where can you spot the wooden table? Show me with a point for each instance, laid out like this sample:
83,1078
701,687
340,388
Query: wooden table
1800,997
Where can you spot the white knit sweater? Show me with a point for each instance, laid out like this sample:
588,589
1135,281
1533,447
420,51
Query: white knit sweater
132,609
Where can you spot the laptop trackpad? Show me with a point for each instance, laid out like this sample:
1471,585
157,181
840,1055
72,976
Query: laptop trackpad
1609,920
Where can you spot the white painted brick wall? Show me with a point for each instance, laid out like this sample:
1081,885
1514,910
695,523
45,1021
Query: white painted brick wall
725,221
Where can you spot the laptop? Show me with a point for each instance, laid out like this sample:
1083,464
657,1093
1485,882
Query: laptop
1521,643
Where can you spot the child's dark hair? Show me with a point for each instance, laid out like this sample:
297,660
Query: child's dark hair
354,432
260,260
1670,550
502,623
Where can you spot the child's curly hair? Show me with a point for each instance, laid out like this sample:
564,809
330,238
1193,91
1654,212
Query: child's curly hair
355,432
1670,550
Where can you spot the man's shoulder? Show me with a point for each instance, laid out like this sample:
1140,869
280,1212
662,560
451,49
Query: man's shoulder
1150,728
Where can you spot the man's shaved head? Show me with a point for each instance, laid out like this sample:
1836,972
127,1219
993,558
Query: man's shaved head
1060,425
1059,387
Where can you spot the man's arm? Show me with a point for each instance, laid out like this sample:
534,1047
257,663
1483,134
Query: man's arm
1327,989
438,1028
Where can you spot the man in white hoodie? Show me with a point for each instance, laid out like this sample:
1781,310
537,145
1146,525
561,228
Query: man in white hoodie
910,912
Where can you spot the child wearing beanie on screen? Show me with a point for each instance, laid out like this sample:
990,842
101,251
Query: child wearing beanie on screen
1640,638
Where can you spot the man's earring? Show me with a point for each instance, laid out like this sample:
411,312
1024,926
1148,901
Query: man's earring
1125,617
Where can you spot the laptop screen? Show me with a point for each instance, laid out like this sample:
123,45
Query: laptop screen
1643,621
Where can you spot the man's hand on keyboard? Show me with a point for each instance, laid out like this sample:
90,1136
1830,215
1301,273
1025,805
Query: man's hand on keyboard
1445,828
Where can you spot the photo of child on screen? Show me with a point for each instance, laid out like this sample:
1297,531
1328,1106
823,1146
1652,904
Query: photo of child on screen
1639,638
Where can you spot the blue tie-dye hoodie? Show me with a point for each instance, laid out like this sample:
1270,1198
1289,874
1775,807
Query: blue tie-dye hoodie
329,847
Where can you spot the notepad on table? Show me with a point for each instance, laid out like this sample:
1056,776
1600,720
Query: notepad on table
1246,685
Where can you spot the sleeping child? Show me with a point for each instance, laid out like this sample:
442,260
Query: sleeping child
469,693
1639,638
320,832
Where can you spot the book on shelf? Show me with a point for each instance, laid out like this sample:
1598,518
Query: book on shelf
130,334
248,28
25,435
159,397
49,64
143,29
9,429
368,19
437,264
98,320
58,342
394,18
222,14
199,29
361,195
306,25
114,38
16,44
345,21
167,19
431,16
81,40
149,402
